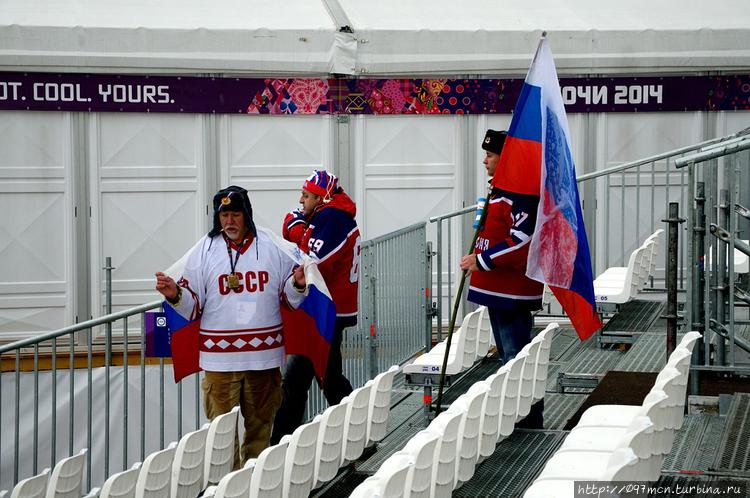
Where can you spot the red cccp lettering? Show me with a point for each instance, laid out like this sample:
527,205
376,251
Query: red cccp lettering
253,282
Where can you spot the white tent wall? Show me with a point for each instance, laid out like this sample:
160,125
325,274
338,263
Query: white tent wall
389,36
149,178
37,248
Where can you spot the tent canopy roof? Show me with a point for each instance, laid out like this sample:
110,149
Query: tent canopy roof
389,37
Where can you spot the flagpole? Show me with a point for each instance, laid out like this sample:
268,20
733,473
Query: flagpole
456,303
460,290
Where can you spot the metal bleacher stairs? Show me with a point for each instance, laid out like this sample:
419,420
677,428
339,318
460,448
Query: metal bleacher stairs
708,447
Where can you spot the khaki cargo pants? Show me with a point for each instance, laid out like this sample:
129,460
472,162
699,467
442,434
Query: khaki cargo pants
257,392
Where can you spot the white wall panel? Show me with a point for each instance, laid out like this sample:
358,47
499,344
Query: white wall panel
147,199
625,217
271,156
406,170
36,242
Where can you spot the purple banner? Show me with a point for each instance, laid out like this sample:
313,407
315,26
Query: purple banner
143,93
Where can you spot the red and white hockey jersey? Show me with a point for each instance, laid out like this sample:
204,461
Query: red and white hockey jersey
241,327
502,249
332,239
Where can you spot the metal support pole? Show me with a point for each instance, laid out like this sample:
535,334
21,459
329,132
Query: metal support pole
673,221
721,277
696,255
439,334
108,360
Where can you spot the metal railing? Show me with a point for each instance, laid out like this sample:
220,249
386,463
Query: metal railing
116,401
393,275
717,298
623,205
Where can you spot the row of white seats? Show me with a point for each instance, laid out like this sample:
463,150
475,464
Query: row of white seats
65,480
314,453
183,469
622,442
442,457
469,343
620,284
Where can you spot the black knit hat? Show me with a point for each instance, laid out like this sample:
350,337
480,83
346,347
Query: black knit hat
232,198
494,140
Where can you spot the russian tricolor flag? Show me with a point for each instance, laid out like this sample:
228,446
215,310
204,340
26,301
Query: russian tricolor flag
537,159
308,330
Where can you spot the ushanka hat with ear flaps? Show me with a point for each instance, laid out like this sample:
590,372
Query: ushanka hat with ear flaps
232,198
494,140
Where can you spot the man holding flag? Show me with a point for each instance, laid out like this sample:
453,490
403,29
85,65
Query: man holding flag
235,280
498,264
534,233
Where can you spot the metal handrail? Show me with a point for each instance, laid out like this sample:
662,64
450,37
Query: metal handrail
737,145
32,341
658,157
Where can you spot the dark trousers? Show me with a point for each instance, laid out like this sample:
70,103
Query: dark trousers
512,331
297,381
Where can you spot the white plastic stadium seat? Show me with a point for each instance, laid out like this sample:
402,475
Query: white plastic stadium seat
66,479
422,446
188,464
122,484
484,335
380,405
220,447
617,285
469,430
619,468
511,394
301,454
528,371
491,409
444,472
31,487
267,480
355,424
330,443
583,465
391,478
155,476
233,485
542,362
462,354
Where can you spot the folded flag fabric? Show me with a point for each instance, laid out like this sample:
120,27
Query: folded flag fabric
537,157
308,330
184,340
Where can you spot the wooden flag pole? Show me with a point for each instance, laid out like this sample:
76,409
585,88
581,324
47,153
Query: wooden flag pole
456,303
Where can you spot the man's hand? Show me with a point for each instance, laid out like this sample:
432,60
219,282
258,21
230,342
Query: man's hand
166,285
299,277
469,263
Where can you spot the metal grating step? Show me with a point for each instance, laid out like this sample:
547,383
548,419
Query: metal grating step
634,317
647,354
479,372
340,486
393,442
558,408
695,486
734,454
514,465
563,344
403,410
588,366
686,442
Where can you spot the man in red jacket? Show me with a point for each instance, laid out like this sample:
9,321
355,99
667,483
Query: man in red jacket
498,266
332,239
